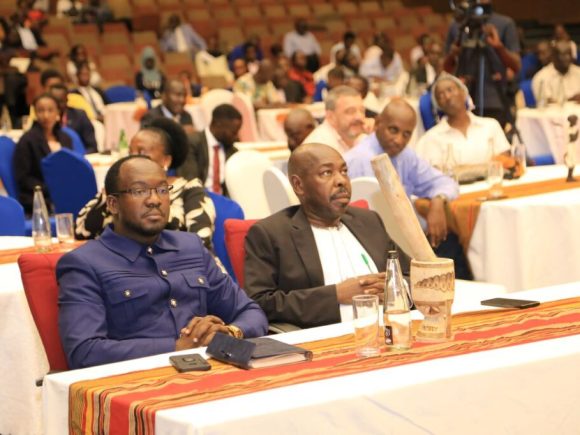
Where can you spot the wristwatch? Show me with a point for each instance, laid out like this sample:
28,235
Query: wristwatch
234,331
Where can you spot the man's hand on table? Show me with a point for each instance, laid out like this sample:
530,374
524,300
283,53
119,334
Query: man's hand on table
436,222
372,284
199,332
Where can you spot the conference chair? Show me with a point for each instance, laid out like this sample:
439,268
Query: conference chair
11,217
225,209
77,142
38,273
244,180
121,94
426,111
70,180
99,134
526,88
7,147
279,193
213,98
249,130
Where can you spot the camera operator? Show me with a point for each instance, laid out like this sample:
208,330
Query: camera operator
497,36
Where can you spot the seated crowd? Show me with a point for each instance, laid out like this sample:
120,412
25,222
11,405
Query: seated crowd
135,288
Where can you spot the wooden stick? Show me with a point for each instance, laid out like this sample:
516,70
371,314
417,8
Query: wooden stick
401,222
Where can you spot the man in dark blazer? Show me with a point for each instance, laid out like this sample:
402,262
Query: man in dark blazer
209,149
172,106
304,261
75,119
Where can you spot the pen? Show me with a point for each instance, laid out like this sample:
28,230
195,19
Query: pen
366,261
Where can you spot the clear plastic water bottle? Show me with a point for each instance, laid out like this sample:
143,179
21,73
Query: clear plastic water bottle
397,305
123,144
40,222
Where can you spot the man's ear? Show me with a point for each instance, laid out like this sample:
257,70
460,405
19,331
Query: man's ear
113,204
297,186
331,118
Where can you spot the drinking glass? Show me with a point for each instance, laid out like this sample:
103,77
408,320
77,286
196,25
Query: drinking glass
366,325
495,178
65,228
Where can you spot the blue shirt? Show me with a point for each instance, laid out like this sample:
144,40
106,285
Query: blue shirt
418,177
120,299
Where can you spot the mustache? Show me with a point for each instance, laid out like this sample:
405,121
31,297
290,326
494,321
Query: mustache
342,191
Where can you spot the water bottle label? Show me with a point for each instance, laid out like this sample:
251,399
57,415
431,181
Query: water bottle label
388,335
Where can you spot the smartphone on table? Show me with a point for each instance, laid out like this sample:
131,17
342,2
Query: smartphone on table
510,303
189,363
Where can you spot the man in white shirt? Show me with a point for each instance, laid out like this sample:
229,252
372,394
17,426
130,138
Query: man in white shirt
344,123
386,72
302,39
181,37
472,139
559,81
347,44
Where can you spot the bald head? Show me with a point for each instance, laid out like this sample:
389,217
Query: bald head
394,126
318,175
298,124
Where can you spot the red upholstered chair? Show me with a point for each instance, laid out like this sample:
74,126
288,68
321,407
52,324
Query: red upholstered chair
235,235
38,273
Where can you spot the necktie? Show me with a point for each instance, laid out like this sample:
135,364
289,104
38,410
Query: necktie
216,185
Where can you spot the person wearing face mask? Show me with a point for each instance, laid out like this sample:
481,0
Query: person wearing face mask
164,142
305,263
393,130
43,138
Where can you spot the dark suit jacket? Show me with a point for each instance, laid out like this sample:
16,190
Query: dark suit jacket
283,272
78,120
184,118
197,161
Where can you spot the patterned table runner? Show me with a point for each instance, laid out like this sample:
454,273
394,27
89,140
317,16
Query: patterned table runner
127,403
11,255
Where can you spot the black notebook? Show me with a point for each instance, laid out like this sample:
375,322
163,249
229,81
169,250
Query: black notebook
255,352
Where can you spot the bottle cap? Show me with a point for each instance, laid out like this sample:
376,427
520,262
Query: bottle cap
37,187
392,255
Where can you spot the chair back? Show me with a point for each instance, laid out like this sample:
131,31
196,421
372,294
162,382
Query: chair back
7,147
70,180
38,273
526,88
245,182
279,193
12,217
249,130
235,232
426,111
225,209
100,134
77,142
121,94
211,99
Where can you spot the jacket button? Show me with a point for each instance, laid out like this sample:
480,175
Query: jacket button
127,293
201,280
173,302
150,250
164,272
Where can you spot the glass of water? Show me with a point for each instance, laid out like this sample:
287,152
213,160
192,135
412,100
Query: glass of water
366,325
495,179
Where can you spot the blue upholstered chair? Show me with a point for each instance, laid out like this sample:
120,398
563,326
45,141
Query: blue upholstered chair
121,94
70,180
225,209
526,87
426,111
7,147
77,142
11,217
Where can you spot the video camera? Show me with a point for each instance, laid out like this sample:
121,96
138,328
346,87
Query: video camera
470,14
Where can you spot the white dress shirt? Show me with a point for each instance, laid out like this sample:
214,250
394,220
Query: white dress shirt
548,83
307,43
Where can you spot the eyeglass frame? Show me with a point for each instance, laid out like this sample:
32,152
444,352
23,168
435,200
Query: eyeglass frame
150,190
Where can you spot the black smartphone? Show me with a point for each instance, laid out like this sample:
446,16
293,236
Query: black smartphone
189,363
510,303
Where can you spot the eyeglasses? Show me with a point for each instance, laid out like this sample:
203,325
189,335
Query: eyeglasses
145,192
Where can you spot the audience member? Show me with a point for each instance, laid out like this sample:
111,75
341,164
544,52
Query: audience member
251,58
299,123
239,51
560,80
322,73
92,94
306,260
78,55
165,142
425,73
259,86
344,123
473,139
386,72
561,34
289,91
541,57
347,44
393,130
149,77
361,84
213,62
299,73
75,119
209,149
302,39
501,37
181,37
418,54
351,64
172,106
178,296
239,68
335,78
42,139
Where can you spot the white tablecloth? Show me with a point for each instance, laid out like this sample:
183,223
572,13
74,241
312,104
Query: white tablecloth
545,131
530,389
528,242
